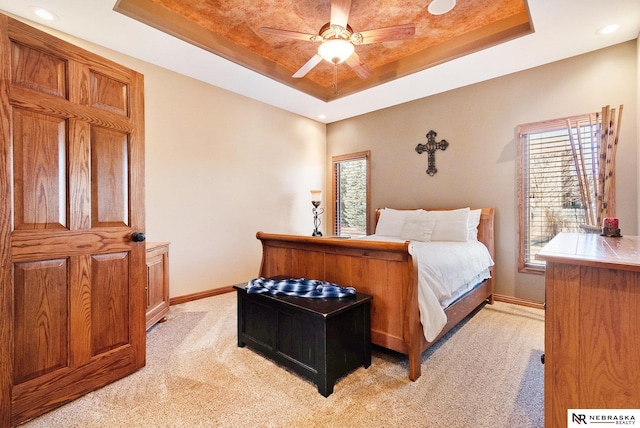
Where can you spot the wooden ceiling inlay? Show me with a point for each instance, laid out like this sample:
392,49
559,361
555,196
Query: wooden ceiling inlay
230,29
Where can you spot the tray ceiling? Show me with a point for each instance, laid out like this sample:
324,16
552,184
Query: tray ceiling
231,29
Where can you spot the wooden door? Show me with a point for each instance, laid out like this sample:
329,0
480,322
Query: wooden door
72,302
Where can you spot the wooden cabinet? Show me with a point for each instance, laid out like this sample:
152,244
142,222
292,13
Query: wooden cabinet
592,325
157,290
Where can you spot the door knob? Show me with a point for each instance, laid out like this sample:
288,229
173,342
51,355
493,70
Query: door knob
138,237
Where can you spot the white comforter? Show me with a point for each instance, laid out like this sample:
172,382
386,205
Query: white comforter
446,271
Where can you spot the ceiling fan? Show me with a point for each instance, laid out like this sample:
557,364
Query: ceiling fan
337,40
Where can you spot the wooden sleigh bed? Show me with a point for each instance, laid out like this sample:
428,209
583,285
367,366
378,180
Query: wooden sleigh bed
385,270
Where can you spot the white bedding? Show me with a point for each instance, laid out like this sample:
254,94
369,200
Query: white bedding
446,271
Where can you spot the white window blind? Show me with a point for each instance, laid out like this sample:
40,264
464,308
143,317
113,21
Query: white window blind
551,193
351,194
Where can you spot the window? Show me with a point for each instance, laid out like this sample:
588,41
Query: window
556,186
351,194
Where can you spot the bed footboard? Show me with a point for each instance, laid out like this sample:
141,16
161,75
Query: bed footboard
385,270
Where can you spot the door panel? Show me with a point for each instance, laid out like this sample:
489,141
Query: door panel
40,175
72,169
109,94
109,302
40,316
38,70
110,181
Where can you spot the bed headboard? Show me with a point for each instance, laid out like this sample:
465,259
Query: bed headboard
485,228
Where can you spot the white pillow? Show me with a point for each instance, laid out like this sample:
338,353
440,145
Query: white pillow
390,222
474,221
418,226
451,225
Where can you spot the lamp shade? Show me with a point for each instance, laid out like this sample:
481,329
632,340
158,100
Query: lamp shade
335,50
316,195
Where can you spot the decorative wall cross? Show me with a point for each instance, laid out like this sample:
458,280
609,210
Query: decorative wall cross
430,147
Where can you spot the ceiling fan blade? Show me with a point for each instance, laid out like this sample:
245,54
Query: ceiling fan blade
291,34
397,32
308,66
340,12
361,69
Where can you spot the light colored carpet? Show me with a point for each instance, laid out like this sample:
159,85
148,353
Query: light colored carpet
485,373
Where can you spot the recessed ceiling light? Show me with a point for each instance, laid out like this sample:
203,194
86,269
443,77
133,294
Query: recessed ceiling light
43,13
608,29
440,7
322,116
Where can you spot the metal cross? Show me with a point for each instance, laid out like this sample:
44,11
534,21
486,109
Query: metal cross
430,147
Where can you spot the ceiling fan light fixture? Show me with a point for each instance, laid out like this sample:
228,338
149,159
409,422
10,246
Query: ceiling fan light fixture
335,51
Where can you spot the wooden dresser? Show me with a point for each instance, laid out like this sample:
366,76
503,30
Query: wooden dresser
592,324
157,282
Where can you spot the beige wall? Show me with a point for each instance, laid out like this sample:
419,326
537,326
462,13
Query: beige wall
219,168
478,168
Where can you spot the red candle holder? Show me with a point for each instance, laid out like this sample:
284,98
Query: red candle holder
610,227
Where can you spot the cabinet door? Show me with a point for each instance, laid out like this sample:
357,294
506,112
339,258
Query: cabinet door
591,341
562,348
157,282
71,182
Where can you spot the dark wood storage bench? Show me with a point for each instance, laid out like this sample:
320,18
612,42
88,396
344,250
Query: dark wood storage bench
320,339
